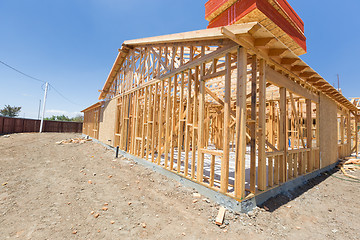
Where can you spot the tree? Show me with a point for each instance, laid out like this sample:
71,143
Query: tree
78,118
58,118
9,111
64,118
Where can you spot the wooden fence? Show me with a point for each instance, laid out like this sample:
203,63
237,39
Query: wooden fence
20,125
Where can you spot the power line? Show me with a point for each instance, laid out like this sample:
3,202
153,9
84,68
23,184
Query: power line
39,80
7,65
58,92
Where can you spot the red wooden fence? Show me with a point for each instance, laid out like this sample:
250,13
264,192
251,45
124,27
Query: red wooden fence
19,125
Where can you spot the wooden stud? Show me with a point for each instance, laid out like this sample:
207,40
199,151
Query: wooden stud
240,141
156,103
201,130
253,125
283,135
181,121
195,123
187,124
271,171
225,160
262,121
167,123
309,121
173,125
212,170
144,123
161,108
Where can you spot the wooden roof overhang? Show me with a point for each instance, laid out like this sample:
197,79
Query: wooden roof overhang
96,105
257,40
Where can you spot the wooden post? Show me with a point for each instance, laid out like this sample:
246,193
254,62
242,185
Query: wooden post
201,132
187,127
262,121
225,160
144,123
149,120
195,123
317,136
348,134
168,123
356,135
154,123
253,125
173,124
283,144
181,120
161,109
240,123
310,158
342,130
137,123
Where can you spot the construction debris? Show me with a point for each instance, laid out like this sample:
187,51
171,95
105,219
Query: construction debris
196,195
220,217
351,164
74,140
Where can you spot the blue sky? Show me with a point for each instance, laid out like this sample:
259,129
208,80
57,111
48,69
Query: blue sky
73,44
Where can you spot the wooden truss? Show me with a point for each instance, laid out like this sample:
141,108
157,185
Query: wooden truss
204,103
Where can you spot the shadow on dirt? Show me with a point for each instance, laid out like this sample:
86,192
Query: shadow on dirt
282,199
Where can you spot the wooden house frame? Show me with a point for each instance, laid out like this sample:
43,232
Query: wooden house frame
231,108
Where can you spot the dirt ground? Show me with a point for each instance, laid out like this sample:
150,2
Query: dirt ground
79,191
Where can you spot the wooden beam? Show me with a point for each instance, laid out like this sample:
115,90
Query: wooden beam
299,68
263,42
289,61
307,74
277,52
281,81
240,123
209,57
198,35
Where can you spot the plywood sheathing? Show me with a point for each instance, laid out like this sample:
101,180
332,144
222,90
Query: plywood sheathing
214,8
271,16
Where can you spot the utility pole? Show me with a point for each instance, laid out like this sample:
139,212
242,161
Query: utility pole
43,111
338,82
39,109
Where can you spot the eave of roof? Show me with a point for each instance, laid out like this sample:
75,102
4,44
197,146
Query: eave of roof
238,31
114,70
98,104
